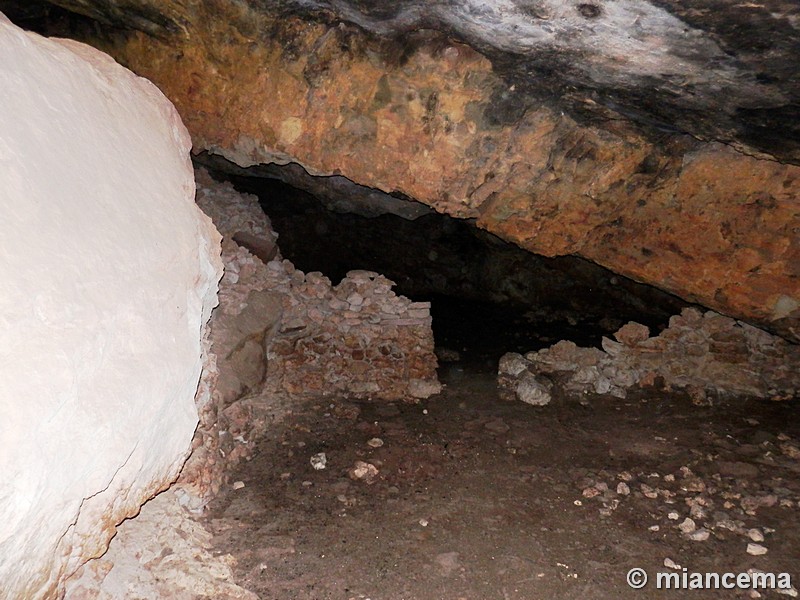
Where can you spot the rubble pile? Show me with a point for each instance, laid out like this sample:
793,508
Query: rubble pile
232,413
239,331
702,353
148,559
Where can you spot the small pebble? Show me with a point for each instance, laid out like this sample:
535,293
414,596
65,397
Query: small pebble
623,489
756,549
755,535
237,485
319,461
375,443
423,522
590,492
363,471
673,516
654,528
649,492
671,564
687,526
701,535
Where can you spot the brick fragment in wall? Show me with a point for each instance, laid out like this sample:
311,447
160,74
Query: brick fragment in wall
702,353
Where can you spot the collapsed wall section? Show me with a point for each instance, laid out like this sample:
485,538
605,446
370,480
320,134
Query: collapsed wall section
704,353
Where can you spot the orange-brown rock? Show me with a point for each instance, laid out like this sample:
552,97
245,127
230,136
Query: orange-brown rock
434,121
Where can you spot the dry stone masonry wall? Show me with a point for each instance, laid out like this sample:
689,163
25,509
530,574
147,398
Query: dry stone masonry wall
279,332
357,338
702,353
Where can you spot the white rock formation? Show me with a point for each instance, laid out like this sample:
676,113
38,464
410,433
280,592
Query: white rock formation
108,274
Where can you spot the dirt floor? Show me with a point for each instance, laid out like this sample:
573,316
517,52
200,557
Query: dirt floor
477,498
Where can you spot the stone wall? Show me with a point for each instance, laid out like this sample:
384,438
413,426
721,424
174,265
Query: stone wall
702,353
356,338
279,332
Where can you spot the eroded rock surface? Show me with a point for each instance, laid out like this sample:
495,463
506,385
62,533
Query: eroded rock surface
559,143
669,64
109,275
162,553
702,353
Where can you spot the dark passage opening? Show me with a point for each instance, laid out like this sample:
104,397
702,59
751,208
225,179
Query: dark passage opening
488,296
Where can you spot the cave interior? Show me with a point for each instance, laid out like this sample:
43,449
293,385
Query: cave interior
539,481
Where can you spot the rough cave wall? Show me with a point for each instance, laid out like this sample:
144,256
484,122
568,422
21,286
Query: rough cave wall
568,142
109,275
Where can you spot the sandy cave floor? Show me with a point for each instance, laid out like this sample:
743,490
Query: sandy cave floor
477,498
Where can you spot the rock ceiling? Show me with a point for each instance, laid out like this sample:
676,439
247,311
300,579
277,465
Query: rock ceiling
656,138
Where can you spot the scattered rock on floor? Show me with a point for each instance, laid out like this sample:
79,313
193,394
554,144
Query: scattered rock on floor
364,471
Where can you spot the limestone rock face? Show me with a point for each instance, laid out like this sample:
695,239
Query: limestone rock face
439,122
673,65
109,275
